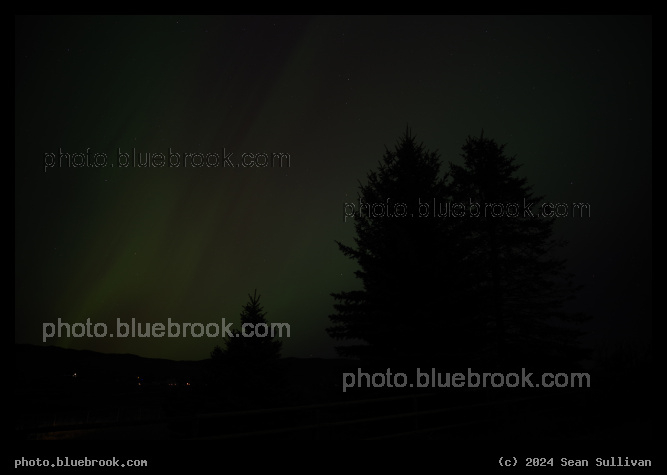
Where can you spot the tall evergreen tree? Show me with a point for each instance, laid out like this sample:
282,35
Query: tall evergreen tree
409,306
519,288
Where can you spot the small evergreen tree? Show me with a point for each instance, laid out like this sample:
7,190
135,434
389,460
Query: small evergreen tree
259,348
246,364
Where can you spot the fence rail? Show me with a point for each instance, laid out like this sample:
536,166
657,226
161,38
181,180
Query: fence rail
419,417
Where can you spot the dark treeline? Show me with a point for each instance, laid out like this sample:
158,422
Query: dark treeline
456,269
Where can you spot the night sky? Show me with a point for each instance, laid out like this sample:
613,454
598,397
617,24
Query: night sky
570,96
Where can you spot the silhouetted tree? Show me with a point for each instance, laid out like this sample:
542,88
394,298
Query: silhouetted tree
246,363
261,347
409,308
518,287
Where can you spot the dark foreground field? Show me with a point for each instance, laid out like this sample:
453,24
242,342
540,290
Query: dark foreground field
69,394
